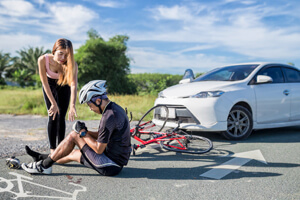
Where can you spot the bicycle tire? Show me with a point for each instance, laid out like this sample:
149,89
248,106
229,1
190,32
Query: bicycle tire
194,144
154,107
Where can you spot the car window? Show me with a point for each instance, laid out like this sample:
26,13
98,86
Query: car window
274,72
292,75
229,73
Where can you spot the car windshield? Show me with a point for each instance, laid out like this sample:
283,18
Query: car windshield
229,73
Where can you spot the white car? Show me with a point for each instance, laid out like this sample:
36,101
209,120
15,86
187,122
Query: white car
234,100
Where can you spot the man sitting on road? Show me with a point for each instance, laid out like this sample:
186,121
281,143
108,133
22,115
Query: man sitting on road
106,151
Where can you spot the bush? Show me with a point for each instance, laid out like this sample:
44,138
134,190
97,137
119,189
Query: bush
153,83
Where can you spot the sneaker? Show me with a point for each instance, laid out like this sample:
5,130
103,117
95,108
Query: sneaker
36,168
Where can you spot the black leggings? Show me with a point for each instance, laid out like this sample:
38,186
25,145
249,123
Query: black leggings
57,128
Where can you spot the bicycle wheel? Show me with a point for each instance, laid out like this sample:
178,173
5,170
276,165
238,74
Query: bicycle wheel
186,143
150,113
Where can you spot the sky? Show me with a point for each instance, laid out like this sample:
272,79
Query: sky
165,36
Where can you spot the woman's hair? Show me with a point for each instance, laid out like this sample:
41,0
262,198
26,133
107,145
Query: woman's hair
67,73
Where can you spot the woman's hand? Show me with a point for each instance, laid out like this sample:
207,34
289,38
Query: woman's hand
72,113
53,111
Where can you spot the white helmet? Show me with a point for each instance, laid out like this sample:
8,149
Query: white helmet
92,89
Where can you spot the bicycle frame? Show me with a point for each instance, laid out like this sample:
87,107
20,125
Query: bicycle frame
159,136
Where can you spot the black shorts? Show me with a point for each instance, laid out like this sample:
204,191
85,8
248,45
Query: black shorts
99,162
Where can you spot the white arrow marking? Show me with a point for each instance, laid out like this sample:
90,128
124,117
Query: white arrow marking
239,160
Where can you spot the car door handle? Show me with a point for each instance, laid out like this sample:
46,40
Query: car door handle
286,92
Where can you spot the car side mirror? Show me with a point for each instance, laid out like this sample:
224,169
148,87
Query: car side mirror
187,77
182,81
263,79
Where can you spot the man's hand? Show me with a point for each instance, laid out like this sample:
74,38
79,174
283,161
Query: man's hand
78,126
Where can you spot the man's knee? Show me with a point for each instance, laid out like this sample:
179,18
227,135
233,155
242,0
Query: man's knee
72,136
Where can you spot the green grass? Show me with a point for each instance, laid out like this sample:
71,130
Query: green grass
31,101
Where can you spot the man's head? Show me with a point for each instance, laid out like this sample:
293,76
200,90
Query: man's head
93,93
98,103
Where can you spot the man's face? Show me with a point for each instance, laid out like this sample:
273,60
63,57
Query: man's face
94,108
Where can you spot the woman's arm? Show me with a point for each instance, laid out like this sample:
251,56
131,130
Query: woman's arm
42,72
73,87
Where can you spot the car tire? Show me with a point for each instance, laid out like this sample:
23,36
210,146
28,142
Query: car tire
239,123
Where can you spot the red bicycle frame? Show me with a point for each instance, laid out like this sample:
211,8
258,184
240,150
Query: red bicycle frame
159,136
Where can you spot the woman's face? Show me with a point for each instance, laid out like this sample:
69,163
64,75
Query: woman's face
60,56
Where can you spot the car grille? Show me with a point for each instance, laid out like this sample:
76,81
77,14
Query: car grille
176,113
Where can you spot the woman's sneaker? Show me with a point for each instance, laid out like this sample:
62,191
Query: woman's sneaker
36,168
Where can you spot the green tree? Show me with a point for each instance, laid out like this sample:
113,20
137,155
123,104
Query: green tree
153,83
28,58
5,63
25,66
107,60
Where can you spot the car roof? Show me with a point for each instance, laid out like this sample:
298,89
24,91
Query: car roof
262,64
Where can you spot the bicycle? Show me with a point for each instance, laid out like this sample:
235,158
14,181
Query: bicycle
173,140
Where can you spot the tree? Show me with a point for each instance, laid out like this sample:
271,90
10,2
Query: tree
5,63
106,60
28,58
25,66
153,83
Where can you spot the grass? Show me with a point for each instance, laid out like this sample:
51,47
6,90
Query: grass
31,101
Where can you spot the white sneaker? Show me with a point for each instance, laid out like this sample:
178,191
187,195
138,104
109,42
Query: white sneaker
36,168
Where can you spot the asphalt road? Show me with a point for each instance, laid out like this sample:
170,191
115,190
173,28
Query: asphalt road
265,166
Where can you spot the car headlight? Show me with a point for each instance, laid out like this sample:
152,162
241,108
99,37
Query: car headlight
161,95
208,94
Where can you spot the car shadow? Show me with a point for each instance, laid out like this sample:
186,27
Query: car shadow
192,173
274,135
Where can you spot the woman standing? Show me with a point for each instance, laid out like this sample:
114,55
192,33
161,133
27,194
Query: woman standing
58,73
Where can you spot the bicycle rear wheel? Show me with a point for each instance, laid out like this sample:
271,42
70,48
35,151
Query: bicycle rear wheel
192,144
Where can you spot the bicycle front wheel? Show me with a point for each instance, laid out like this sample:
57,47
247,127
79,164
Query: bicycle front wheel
192,144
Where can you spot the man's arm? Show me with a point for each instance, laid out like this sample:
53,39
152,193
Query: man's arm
90,139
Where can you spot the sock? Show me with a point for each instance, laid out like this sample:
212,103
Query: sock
35,155
48,162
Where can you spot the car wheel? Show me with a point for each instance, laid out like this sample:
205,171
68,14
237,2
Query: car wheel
239,123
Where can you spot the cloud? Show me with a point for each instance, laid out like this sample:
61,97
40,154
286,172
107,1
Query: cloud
36,23
171,13
68,19
18,8
109,4
151,60
240,29
64,20
14,42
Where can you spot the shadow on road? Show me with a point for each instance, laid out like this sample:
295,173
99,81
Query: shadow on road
274,135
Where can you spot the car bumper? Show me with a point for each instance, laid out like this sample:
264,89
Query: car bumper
209,114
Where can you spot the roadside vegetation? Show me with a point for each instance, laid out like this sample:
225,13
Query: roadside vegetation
20,101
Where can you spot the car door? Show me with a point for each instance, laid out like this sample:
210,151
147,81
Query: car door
293,79
272,99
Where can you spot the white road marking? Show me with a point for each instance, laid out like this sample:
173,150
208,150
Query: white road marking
238,160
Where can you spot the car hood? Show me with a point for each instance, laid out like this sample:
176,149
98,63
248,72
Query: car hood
188,89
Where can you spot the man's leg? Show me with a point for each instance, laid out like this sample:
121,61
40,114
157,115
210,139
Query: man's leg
63,152
75,155
67,146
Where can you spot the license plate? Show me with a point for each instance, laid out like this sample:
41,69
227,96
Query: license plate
172,115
